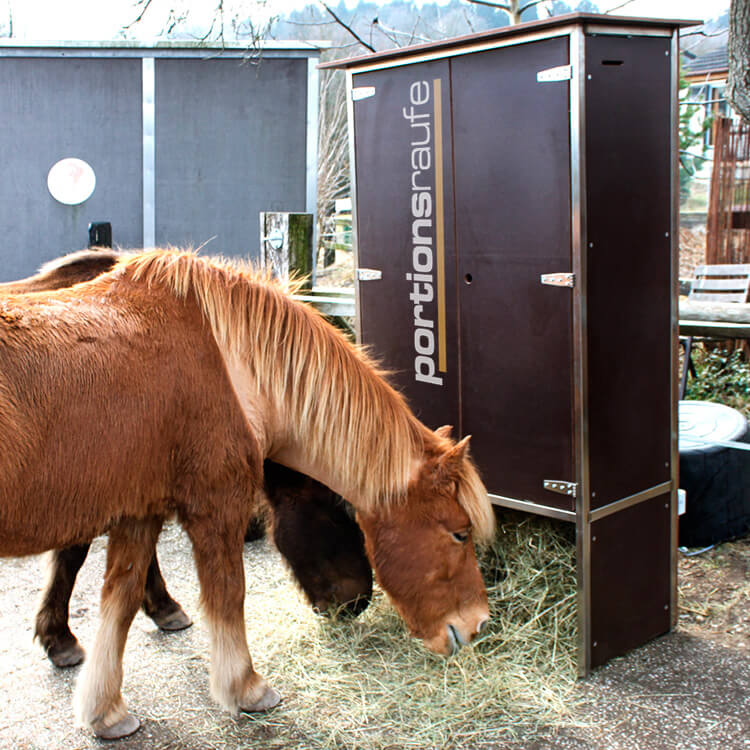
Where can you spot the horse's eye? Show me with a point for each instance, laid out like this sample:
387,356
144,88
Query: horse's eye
461,536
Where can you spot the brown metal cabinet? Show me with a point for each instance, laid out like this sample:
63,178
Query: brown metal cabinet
515,206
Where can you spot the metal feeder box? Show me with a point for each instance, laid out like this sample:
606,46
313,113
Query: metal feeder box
516,233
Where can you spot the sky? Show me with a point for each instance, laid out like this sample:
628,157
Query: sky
104,19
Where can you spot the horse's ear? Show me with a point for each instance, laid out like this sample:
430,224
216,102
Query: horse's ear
455,455
444,431
461,448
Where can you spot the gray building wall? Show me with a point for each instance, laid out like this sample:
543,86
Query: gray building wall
231,140
55,108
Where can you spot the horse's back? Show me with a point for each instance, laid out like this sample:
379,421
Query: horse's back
113,401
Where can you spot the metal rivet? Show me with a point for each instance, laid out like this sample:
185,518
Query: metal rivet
595,644
589,76
666,505
666,234
666,606
593,494
593,538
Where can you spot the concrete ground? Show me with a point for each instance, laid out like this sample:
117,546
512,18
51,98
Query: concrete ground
687,690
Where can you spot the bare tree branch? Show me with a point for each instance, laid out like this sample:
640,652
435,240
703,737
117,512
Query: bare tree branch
532,4
513,8
392,34
703,33
347,28
145,4
617,7
501,6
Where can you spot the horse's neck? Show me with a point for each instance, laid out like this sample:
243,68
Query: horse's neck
293,457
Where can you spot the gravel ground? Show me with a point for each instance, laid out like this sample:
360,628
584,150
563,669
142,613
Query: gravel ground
689,689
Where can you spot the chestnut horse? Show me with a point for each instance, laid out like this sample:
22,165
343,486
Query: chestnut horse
159,388
314,532
311,527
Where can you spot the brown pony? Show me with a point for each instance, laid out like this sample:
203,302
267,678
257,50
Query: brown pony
159,388
311,526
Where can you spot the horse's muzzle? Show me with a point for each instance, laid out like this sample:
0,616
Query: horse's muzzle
456,640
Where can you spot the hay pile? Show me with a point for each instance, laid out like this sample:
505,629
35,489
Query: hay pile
365,684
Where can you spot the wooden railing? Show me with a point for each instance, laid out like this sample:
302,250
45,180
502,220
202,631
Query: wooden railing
728,222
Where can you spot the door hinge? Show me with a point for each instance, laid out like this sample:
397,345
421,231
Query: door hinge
564,488
362,92
369,274
559,279
560,73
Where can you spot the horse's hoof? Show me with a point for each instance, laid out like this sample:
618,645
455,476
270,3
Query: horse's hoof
126,726
67,657
176,620
270,699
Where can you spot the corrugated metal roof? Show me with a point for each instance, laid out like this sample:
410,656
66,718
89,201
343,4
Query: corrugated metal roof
710,62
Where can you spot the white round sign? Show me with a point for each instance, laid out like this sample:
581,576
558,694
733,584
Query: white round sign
71,181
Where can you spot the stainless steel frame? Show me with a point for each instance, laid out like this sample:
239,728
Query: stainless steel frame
148,84
529,507
355,222
674,232
629,501
580,342
311,160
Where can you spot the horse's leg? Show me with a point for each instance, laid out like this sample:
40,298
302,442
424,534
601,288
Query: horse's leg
99,704
51,627
217,548
159,605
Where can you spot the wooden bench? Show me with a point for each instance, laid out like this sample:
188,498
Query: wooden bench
729,282
715,284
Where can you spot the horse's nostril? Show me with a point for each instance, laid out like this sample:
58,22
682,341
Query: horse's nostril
483,624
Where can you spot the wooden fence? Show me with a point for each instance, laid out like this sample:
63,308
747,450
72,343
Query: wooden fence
728,224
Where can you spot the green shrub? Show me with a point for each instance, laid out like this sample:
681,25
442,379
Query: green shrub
721,376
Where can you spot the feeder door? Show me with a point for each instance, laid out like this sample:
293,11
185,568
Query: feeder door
406,255
512,190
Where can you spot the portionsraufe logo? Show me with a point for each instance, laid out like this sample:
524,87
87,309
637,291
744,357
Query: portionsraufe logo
420,116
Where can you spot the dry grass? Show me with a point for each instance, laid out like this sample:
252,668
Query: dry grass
365,684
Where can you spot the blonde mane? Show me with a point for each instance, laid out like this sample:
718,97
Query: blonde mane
330,389
370,436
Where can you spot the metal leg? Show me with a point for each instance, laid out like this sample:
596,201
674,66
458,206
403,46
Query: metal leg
687,364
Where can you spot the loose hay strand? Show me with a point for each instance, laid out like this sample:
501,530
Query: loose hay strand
366,684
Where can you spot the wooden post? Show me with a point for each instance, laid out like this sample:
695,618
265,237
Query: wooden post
286,245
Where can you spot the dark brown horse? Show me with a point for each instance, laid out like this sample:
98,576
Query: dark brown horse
311,526
159,388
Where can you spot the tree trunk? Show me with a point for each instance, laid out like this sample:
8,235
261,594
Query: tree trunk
515,11
729,312
739,57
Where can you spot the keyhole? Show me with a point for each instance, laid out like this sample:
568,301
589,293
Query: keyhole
468,278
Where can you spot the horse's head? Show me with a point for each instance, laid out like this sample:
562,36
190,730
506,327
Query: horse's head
320,540
422,549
